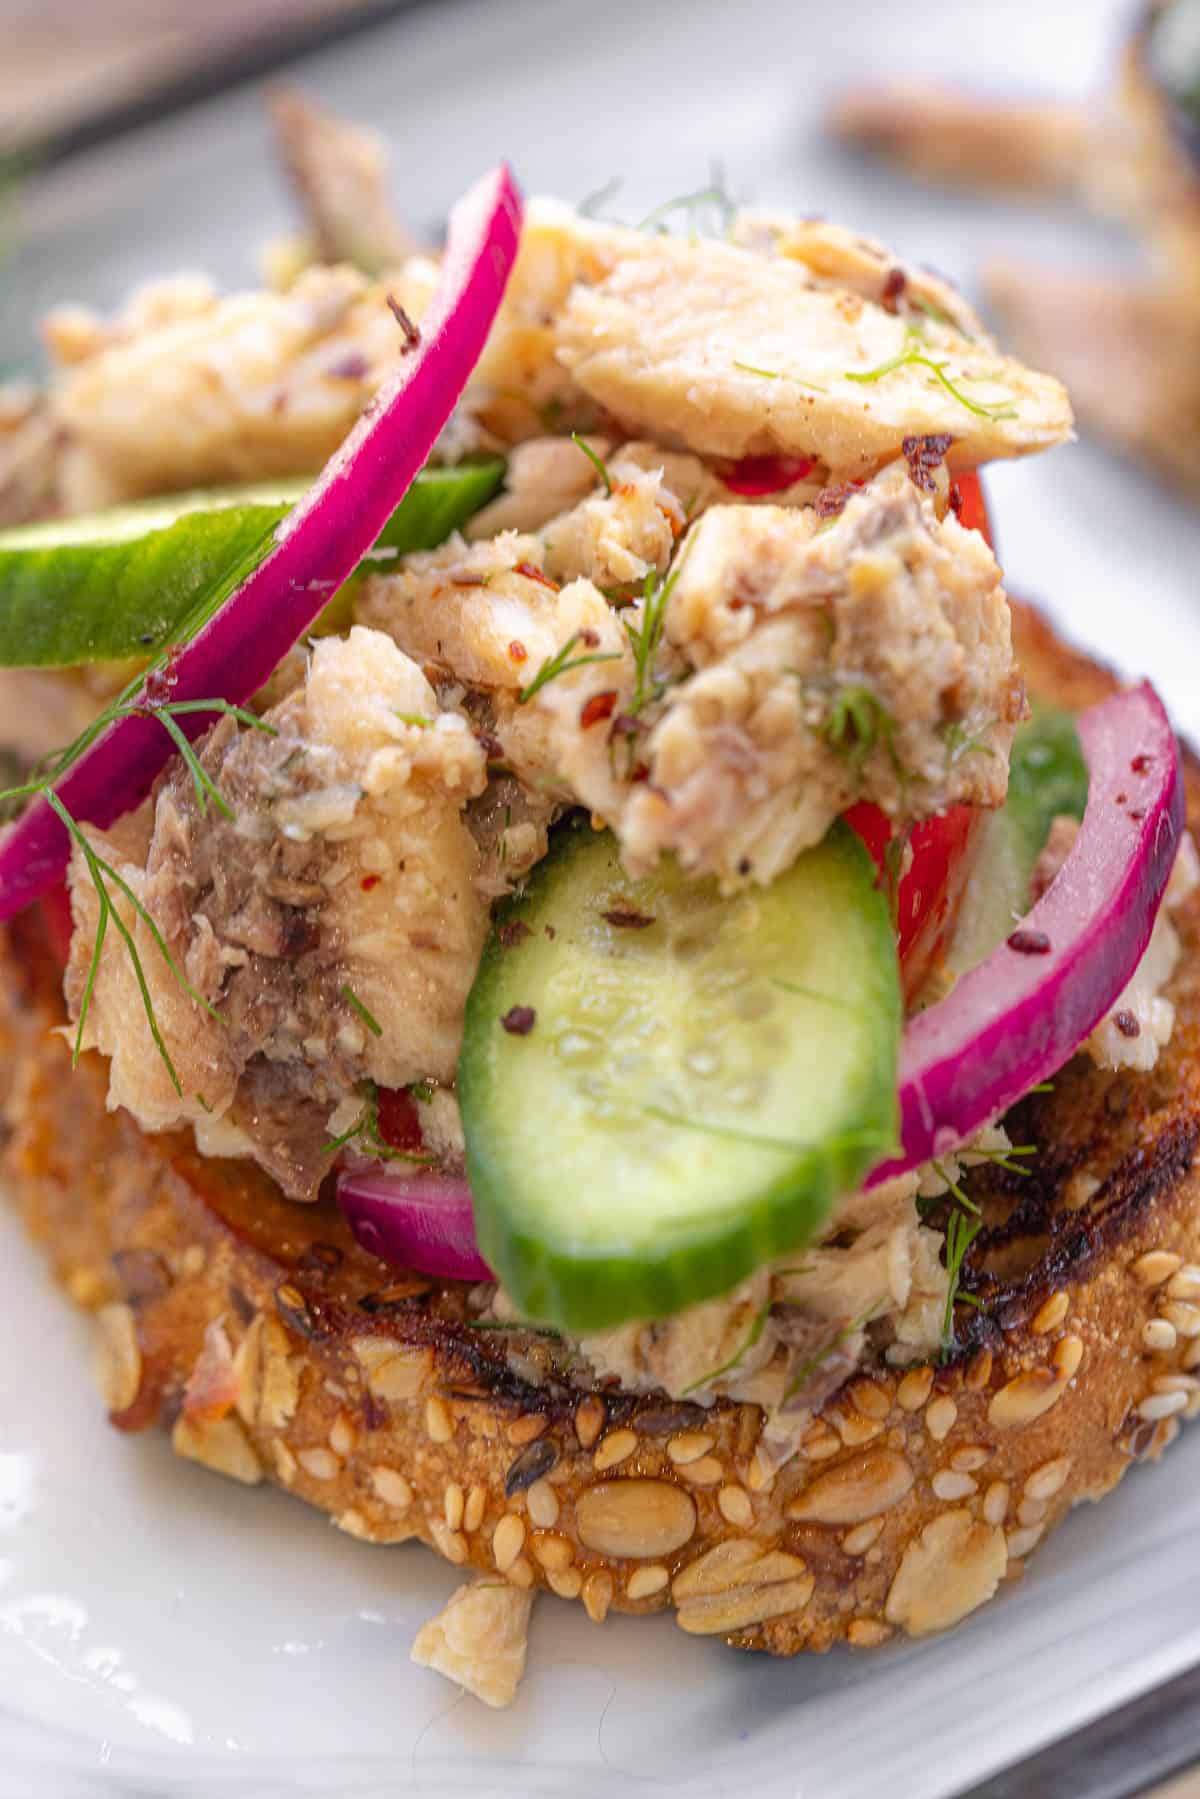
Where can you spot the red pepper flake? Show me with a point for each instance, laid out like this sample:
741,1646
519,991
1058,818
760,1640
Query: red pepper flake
1122,799
589,638
1141,763
598,708
518,1021
924,456
370,881
1127,1024
517,651
1137,814
535,574
1030,943
628,918
893,286
744,865
513,933
641,772
831,501
412,335
550,932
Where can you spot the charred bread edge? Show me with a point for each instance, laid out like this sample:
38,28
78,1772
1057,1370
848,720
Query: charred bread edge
916,1492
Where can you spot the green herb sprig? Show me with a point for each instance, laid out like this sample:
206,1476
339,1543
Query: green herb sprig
352,1000
911,356
646,636
596,461
961,1232
102,873
856,723
561,663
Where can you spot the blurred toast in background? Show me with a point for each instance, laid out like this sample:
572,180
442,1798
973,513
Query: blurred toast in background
1128,347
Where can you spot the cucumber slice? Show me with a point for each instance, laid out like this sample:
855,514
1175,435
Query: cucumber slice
117,584
703,1076
1047,777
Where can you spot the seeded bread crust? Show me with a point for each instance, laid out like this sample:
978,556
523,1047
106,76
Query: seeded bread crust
366,1393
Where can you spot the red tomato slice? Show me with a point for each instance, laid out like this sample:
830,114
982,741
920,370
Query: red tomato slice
932,889
973,512
755,476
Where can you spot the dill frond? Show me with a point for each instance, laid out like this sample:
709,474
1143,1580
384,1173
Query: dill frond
597,462
560,663
351,998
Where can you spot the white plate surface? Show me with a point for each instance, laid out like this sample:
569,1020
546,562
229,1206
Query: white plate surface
164,1633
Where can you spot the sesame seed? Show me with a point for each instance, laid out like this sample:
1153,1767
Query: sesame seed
1157,1333
818,1447
527,1429
450,1543
353,1523
474,1509
854,1429
520,1572
644,1582
438,1426
948,1485
734,1505
1068,1353
541,1502
1184,1317
597,1596
566,1582
939,1417
1157,1266
914,1389
1161,1405
342,1436
285,1461
689,1446
1185,1284
508,1540
454,1504
1049,1316
707,1472
860,1539
551,1551
979,1372
1031,1511
392,1488
867,1633
995,1502
589,1420
616,1447
1191,1354
321,1464
1176,1383
970,1457
1020,1542
871,1400
1047,1480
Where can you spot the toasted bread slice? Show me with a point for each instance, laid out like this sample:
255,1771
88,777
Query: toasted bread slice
274,1348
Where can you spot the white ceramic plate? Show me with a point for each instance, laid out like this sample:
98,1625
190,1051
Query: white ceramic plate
165,1633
